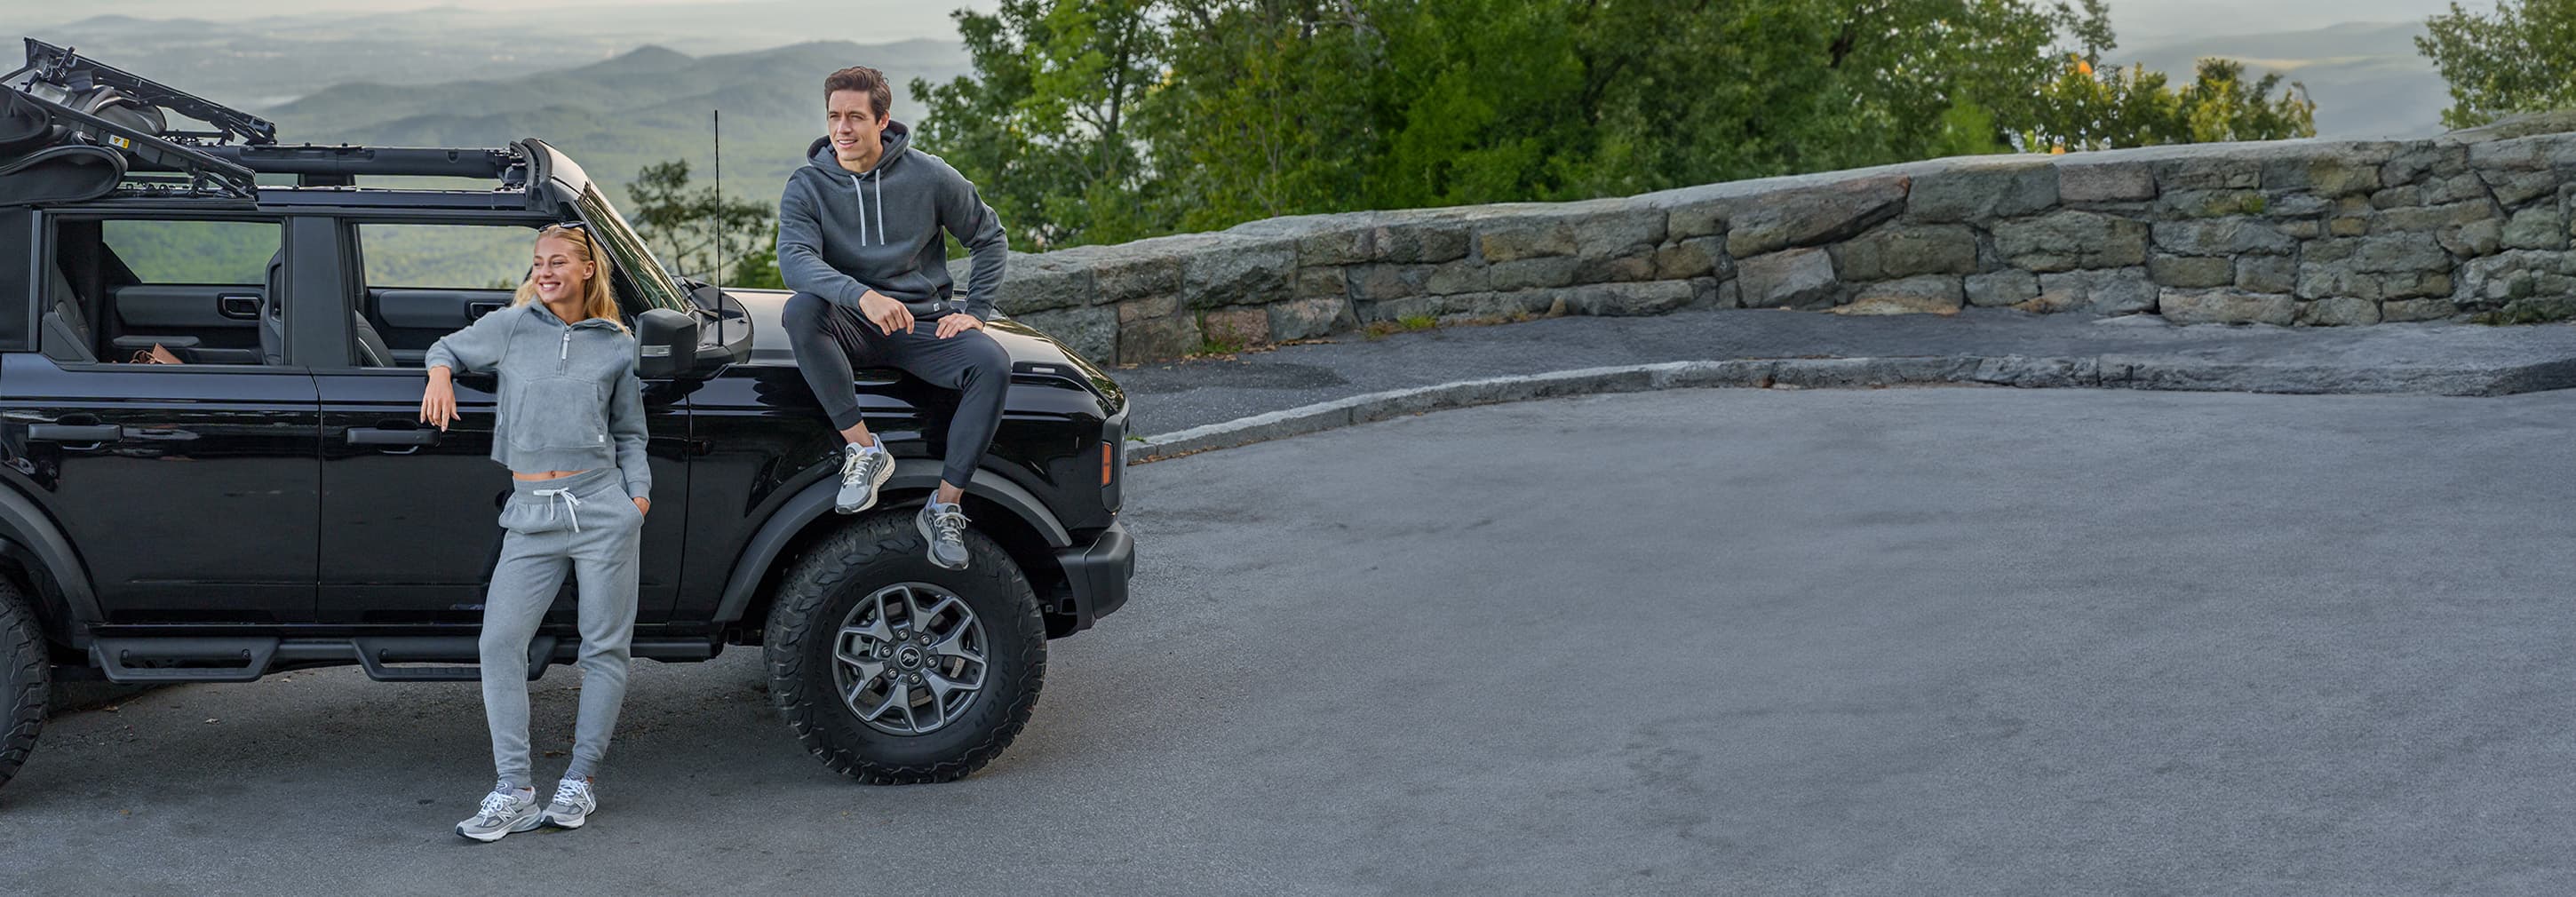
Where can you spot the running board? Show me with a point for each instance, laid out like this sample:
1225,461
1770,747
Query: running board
447,658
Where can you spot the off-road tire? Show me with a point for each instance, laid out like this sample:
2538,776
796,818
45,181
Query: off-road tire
819,592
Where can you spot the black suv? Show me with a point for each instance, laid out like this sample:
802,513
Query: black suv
272,503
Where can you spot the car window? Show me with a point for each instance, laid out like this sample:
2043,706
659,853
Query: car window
158,290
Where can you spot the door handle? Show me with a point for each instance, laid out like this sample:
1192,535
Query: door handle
76,432
475,310
418,437
243,306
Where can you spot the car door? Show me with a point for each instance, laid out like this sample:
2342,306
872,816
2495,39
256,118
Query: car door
409,533
191,491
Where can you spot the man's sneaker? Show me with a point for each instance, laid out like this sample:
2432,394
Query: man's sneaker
861,473
944,527
572,805
505,810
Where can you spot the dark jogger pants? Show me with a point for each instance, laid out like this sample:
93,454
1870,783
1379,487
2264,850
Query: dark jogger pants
831,340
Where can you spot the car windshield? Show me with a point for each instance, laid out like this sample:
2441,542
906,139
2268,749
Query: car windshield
628,253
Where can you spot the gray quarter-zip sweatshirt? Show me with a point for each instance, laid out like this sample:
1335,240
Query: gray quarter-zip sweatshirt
842,233
569,398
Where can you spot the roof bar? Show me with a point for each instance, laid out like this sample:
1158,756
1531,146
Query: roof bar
63,66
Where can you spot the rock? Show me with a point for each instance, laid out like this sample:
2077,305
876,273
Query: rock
1547,271
2001,288
1787,279
1310,318
2536,228
2224,238
2348,226
2214,203
2381,253
2416,160
1460,276
2191,271
1528,238
1699,219
1928,294
2341,280
2069,240
2338,175
1903,251
1980,190
1149,307
2474,239
2110,292
1379,282
1237,274
2225,307
2343,312
1811,215
1653,297
1695,257
1090,332
2416,309
1320,282
2457,188
2515,189
2104,182
1419,243
1039,283
1338,247
1240,326
1126,275
2293,204
2206,168
1158,339
2267,273
2430,218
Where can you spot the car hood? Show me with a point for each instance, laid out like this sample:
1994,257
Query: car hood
1033,353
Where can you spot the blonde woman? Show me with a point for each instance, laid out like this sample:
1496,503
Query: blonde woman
570,428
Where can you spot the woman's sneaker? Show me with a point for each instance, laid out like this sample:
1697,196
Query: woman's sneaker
505,810
944,527
572,805
862,471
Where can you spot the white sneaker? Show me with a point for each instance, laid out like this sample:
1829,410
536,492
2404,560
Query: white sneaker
862,472
505,811
572,805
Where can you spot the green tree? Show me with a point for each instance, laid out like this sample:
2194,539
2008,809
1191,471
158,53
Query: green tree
692,228
2517,60
1047,126
2085,109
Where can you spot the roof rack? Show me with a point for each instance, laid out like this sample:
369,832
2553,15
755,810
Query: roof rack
121,110
77,75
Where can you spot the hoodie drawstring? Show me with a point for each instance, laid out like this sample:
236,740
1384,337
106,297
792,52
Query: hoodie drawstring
862,195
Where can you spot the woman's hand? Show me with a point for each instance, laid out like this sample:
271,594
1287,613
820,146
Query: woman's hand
643,505
438,402
958,322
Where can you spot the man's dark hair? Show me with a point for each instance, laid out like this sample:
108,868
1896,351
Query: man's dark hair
864,79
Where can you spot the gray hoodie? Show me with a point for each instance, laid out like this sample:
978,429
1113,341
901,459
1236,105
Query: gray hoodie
842,233
569,396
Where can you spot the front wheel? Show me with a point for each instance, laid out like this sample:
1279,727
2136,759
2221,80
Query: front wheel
895,671
24,672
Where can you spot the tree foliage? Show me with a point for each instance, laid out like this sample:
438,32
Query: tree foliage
1094,121
685,225
2516,60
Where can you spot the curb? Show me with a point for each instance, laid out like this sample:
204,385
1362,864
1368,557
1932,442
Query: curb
2032,372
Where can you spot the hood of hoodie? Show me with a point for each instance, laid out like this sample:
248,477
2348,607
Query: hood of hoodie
881,227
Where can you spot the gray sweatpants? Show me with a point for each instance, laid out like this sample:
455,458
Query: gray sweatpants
584,524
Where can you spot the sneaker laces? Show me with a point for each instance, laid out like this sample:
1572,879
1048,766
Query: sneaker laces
950,524
855,467
571,791
499,803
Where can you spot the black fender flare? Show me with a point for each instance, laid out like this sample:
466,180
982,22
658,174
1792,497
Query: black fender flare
26,531
815,500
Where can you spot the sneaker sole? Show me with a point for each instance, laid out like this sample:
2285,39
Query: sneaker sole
567,822
528,826
883,474
927,539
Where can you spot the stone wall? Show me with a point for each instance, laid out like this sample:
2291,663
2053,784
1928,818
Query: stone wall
2290,232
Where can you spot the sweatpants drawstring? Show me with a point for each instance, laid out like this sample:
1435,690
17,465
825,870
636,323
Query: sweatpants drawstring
572,504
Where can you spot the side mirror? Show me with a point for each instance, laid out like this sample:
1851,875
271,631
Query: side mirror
666,343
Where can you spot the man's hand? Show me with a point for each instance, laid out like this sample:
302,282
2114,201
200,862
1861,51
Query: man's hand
958,322
889,316
643,505
438,402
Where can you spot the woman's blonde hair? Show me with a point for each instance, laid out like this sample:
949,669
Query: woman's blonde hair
596,300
